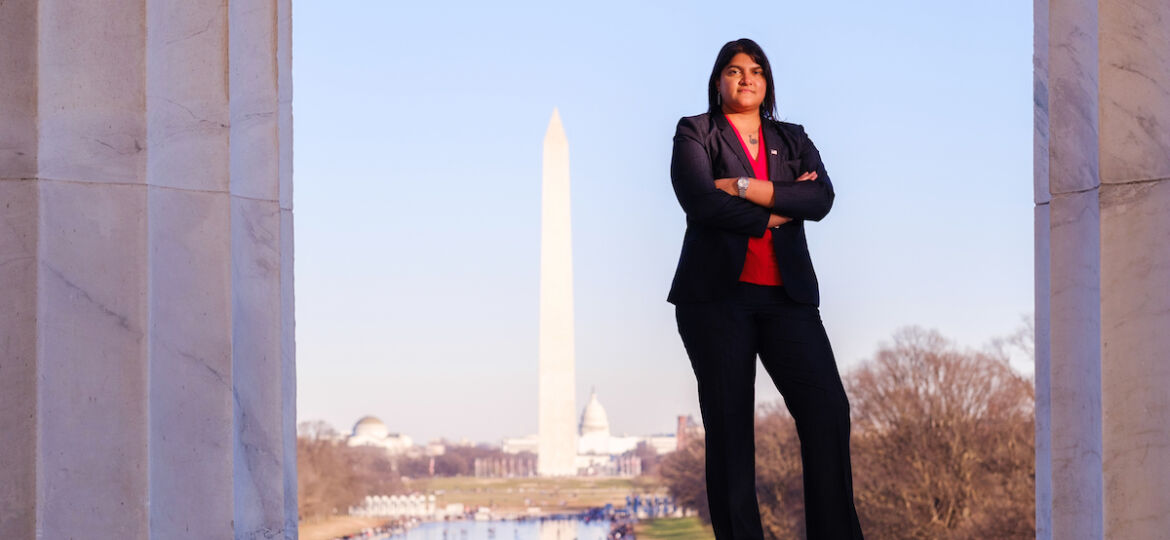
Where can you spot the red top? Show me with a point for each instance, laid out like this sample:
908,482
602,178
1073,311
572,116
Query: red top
759,265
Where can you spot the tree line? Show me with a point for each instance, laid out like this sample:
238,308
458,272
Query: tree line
333,476
942,446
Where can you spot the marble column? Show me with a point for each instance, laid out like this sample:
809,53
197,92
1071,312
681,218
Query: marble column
1072,239
19,216
1102,268
1135,265
147,378
1041,216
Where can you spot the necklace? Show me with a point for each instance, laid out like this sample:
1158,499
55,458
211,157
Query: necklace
753,138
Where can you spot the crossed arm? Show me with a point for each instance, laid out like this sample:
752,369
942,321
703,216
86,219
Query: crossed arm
715,202
761,192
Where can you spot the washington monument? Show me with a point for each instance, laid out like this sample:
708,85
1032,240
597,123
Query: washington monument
557,448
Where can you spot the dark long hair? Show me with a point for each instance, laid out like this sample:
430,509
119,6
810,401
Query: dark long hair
752,49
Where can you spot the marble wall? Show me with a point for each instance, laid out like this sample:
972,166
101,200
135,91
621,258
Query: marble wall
147,376
1102,95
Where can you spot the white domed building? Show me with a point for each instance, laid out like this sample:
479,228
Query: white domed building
599,451
370,431
593,435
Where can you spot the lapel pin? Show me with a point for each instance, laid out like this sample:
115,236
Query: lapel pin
773,152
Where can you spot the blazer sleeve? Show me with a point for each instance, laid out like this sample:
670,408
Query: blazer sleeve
809,200
694,185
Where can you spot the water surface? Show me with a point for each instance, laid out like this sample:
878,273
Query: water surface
561,529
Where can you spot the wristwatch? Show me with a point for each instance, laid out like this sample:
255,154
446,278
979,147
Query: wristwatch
743,184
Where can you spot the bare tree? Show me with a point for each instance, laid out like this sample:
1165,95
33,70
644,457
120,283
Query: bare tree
942,445
779,481
315,430
943,442
332,476
685,476
649,456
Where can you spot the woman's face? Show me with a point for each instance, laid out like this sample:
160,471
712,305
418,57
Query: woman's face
742,85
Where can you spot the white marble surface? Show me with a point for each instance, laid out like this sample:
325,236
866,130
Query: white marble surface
1135,314
261,153
257,369
190,364
1069,292
252,64
91,96
287,251
1041,196
92,361
285,95
1072,96
288,354
1075,375
18,355
1042,377
18,103
1135,90
1135,264
147,382
1040,191
187,94
286,162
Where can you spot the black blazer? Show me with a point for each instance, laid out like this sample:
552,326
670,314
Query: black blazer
718,225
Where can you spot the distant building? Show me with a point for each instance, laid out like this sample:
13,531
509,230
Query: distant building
516,445
663,443
687,431
593,435
506,467
599,451
436,448
370,431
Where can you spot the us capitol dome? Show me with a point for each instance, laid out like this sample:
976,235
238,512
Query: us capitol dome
593,436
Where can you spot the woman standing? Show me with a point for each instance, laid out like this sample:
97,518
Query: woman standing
745,286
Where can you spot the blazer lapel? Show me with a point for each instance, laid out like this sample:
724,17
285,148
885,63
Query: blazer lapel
732,140
778,152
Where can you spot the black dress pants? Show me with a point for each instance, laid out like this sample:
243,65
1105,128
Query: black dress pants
722,340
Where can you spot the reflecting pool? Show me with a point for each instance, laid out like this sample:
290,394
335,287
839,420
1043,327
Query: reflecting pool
550,529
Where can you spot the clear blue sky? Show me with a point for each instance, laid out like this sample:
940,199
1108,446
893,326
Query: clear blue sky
418,131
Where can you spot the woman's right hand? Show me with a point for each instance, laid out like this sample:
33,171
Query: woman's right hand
776,220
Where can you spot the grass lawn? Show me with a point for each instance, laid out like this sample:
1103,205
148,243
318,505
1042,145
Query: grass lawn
687,528
506,496
551,495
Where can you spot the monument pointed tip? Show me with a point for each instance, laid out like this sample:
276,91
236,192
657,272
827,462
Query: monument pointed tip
556,130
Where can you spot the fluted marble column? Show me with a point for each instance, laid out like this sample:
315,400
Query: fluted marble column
19,218
147,378
1102,268
1069,295
1042,198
